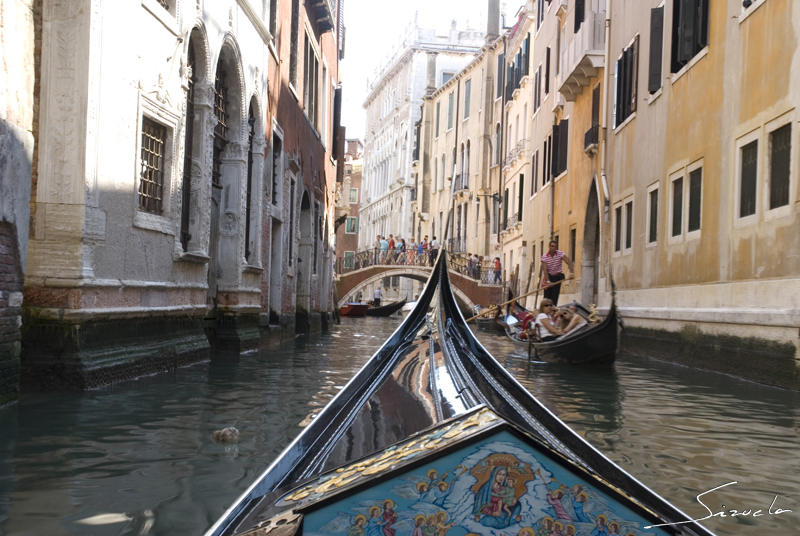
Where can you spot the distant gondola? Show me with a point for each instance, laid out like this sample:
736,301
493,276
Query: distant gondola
386,310
433,432
593,344
354,309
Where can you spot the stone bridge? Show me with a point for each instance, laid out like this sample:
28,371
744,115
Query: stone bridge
468,290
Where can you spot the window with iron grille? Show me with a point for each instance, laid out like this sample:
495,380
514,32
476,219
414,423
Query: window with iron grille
151,178
689,30
695,194
677,206
748,186
628,224
221,130
780,159
653,236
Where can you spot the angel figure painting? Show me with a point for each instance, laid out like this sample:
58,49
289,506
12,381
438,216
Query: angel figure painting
499,486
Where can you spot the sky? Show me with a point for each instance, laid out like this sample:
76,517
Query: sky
375,29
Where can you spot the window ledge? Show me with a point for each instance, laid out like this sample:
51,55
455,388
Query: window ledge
747,12
625,123
163,16
193,257
692,62
779,212
560,175
652,98
273,51
252,269
152,222
745,221
651,245
693,235
293,91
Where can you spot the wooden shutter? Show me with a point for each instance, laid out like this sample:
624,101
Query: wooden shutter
527,55
617,92
656,48
467,88
499,76
686,29
596,105
547,72
554,150
563,145
505,209
580,9
634,72
521,196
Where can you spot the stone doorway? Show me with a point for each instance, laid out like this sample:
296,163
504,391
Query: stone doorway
590,257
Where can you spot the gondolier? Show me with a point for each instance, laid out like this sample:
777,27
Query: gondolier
552,270
377,301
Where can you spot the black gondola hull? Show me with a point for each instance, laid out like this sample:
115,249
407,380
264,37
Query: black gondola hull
386,310
595,345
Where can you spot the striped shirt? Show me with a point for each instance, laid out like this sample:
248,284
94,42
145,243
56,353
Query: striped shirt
553,263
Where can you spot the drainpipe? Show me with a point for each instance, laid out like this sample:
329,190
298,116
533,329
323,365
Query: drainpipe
502,140
604,118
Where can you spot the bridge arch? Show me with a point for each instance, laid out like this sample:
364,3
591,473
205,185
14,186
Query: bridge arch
418,273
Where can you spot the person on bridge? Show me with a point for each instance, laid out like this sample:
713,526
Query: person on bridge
377,302
498,271
390,254
401,249
425,245
434,247
384,249
376,249
551,268
412,251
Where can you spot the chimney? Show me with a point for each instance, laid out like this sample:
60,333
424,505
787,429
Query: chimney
431,87
493,21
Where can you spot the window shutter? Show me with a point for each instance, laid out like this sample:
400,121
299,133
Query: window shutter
627,68
617,92
521,194
547,72
505,208
563,145
634,72
687,29
656,48
527,55
467,88
580,8
554,150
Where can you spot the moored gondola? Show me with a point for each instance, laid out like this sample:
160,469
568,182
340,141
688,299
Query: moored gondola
433,435
386,310
593,344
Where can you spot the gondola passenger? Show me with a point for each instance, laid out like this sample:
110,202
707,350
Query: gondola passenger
571,321
547,331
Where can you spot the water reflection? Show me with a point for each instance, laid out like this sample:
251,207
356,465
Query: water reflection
139,459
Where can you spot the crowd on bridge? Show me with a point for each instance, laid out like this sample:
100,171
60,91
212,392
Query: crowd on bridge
396,251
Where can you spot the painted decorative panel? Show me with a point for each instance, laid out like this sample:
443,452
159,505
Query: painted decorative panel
500,486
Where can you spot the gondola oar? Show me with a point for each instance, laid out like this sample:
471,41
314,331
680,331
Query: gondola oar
518,297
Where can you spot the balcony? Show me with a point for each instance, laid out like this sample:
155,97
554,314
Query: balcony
583,56
325,15
591,139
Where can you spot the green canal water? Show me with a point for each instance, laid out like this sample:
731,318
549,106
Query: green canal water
138,458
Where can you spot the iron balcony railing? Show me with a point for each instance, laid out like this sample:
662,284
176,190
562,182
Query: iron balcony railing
591,138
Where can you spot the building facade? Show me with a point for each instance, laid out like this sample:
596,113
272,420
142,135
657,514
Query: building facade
703,236
347,224
393,108
17,80
177,205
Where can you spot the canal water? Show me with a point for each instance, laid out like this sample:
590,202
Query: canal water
138,458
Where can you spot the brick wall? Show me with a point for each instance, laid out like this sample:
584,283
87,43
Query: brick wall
10,312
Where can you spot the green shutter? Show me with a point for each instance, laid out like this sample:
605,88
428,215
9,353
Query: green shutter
467,87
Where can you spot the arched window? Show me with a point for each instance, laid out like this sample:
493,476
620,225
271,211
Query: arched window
188,151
